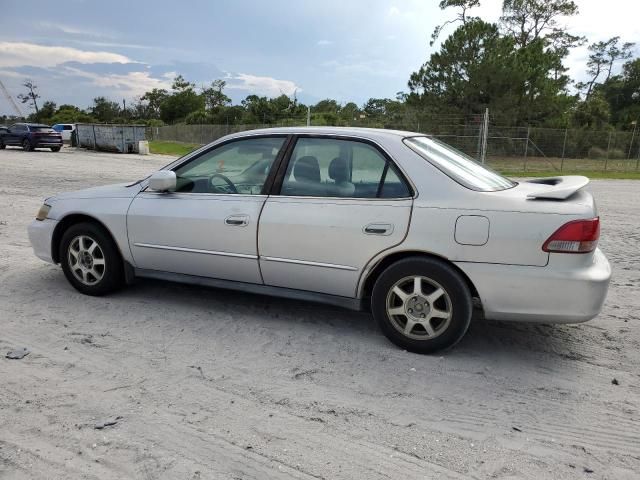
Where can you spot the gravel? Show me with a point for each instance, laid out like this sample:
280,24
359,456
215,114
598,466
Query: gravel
217,384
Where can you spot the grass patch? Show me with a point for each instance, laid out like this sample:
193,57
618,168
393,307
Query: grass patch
177,149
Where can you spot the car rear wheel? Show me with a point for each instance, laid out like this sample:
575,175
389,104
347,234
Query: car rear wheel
90,259
26,145
2,145
55,149
422,304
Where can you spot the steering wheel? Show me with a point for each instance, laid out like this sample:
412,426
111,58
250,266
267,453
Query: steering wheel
232,187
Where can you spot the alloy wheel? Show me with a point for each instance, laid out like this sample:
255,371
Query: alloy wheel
419,308
86,260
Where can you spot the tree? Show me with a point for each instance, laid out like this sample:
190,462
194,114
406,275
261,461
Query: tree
529,20
592,113
71,114
214,97
326,106
31,97
602,58
622,92
349,112
463,5
45,113
477,67
181,102
105,110
154,99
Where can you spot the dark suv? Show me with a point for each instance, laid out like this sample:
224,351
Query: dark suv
30,136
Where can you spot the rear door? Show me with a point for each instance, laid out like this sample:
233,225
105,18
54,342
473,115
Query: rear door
341,202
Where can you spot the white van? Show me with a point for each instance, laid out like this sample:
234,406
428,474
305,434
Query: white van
66,129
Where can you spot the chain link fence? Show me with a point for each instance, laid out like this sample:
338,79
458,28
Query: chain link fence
510,149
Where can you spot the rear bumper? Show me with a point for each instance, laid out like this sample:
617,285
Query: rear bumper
562,292
40,236
47,144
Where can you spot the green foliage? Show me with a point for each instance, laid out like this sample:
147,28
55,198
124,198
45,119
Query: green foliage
104,110
181,102
593,113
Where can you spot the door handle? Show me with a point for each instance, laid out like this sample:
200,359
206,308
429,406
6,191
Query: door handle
237,220
378,229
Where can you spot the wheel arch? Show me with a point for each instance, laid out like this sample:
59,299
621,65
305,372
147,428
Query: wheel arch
372,276
74,219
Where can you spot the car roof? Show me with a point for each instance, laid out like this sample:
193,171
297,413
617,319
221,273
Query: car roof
32,124
355,131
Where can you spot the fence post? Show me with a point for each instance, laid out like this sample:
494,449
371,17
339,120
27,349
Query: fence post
564,147
485,134
606,159
633,135
526,148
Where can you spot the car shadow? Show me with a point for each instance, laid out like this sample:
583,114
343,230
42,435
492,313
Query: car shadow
519,341
489,341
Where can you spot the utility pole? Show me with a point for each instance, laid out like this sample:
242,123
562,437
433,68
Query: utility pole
308,116
11,100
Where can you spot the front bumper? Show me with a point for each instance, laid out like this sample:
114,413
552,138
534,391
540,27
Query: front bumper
565,291
40,236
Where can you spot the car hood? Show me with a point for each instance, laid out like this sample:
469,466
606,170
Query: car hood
119,190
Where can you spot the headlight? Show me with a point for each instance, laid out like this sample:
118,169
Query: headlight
43,212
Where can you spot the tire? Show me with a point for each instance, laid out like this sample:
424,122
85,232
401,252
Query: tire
439,311
26,145
2,145
55,149
93,273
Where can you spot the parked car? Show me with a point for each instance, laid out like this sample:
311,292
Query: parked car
65,129
30,136
397,223
3,129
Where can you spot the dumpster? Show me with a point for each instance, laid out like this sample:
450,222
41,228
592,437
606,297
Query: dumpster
110,138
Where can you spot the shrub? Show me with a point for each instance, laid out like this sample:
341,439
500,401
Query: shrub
597,153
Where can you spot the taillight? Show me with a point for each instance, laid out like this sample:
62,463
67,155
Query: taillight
578,236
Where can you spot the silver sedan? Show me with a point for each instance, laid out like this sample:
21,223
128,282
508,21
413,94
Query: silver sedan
393,222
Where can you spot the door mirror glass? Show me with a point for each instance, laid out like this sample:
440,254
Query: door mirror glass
162,181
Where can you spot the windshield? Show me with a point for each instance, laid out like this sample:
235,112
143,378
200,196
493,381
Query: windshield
459,166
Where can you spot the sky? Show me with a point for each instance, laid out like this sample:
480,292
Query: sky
347,50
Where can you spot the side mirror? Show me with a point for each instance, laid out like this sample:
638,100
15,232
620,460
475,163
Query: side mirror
163,181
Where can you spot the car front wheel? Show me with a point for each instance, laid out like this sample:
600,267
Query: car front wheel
55,149
90,259
422,304
26,145
2,145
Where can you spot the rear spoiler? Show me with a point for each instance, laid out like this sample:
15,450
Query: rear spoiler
558,188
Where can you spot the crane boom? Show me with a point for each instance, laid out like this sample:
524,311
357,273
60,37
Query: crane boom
10,100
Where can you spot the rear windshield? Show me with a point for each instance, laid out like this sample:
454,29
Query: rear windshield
457,165
41,129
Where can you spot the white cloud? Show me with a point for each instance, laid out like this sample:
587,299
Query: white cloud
18,54
130,84
324,43
269,86
393,11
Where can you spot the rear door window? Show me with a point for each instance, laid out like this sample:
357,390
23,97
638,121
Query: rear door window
329,167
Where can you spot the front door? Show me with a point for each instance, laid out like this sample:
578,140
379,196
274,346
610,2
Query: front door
341,203
208,226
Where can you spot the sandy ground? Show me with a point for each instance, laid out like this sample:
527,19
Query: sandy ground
217,385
